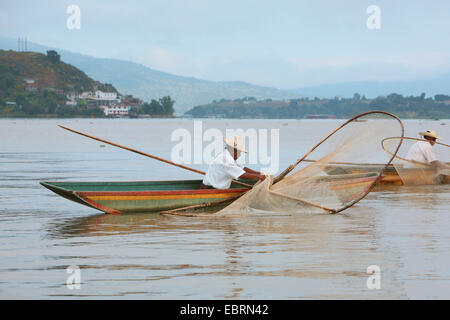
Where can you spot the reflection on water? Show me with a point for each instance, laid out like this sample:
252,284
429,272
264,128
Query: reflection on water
404,230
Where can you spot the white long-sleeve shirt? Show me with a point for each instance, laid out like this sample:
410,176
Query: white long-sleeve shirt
421,151
222,170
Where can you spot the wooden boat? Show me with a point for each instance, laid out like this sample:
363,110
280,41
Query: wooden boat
390,175
156,196
141,196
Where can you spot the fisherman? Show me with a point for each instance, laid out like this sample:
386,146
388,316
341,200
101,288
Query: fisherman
223,169
422,151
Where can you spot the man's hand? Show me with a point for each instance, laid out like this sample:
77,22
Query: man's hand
440,164
251,176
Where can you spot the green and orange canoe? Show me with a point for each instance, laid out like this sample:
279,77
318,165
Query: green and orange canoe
141,196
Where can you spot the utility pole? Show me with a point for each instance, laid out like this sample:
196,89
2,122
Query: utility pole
22,44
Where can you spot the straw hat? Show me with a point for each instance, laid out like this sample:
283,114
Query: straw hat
431,134
236,143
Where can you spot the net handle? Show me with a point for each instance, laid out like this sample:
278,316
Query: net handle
370,187
378,178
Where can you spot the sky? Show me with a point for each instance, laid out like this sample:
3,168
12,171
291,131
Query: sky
285,44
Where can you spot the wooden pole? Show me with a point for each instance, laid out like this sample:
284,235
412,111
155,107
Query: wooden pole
349,163
147,155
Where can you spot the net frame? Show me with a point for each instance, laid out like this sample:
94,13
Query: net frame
384,166
408,138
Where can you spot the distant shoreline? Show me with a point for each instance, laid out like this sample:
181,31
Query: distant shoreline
81,117
200,118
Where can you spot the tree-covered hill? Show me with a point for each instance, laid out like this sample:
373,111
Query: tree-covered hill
32,83
418,107
47,72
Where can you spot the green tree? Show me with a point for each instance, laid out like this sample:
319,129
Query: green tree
53,56
155,107
167,105
6,81
160,107
441,97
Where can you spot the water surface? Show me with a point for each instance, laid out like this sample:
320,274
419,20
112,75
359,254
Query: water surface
403,230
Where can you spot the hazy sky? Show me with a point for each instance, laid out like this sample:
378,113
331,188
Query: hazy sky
284,44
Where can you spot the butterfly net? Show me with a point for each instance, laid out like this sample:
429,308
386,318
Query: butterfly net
410,170
322,180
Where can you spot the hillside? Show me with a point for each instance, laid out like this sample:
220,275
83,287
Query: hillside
146,83
47,74
33,83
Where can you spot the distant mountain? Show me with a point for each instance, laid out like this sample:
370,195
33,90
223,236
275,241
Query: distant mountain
146,83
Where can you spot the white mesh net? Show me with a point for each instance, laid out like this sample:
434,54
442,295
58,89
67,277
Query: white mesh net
319,183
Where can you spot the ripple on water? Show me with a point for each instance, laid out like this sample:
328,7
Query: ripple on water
404,230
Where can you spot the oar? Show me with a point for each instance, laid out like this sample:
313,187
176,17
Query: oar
148,155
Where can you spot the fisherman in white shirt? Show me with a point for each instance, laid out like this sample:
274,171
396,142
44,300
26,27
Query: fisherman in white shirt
223,169
422,151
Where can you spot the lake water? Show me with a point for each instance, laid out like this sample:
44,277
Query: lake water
403,230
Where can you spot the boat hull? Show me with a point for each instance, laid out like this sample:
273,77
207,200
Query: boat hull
390,175
139,197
